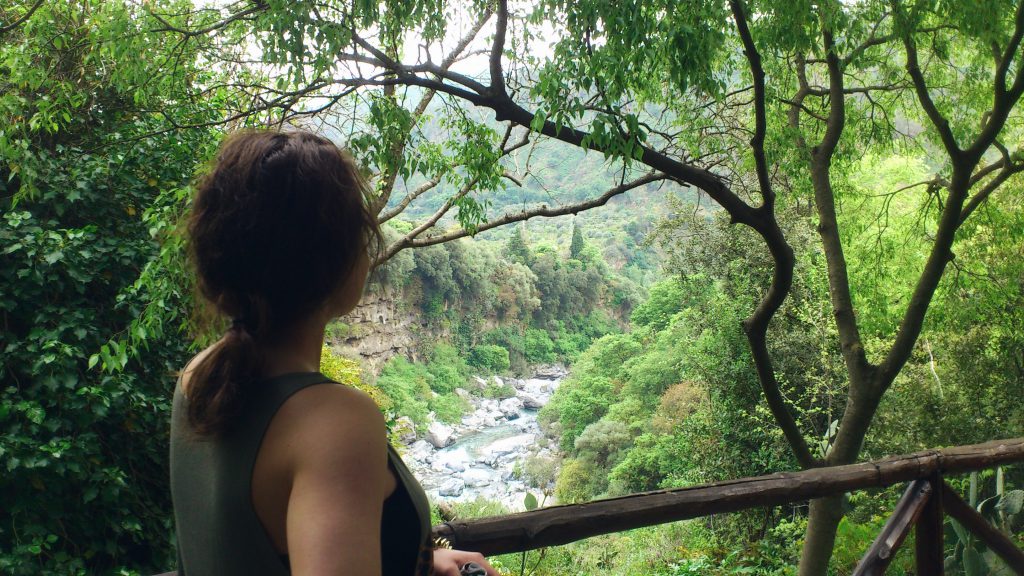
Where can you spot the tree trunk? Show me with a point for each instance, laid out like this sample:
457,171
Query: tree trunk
820,536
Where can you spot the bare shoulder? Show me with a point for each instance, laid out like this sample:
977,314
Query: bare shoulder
327,422
337,404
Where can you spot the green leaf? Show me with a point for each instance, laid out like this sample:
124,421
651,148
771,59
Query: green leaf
1011,503
530,501
974,564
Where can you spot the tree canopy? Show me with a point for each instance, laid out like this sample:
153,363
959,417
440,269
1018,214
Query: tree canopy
764,108
756,104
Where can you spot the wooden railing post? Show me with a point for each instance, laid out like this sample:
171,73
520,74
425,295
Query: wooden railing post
903,518
928,545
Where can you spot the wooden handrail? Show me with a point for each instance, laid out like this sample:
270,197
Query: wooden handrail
558,525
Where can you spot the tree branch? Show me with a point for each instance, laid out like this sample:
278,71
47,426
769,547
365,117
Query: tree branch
850,435
954,212
756,326
24,18
414,194
921,88
498,48
219,25
982,195
760,114
406,241
540,211
1004,98
398,149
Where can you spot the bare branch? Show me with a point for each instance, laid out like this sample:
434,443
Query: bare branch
543,211
414,194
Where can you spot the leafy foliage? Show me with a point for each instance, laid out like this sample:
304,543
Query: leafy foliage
94,295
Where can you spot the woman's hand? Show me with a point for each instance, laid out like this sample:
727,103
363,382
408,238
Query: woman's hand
449,562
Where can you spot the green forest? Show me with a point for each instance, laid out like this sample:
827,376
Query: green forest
761,235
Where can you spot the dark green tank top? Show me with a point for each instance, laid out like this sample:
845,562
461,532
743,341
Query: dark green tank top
217,527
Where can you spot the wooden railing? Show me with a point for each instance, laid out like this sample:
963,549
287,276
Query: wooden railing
922,505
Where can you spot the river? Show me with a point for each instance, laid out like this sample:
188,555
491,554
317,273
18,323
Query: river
478,457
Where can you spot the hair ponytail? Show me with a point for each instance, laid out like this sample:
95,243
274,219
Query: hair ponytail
217,380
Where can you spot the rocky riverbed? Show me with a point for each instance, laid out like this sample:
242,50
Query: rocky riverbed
477,457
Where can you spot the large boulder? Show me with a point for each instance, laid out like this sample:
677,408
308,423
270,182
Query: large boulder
473,421
440,435
420,450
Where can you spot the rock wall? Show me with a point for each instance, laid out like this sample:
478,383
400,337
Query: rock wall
380,327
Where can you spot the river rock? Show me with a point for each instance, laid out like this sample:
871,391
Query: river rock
480,382
420,450
407,430
472,421
451,487
510,408
531,403
440,435
463,393
552,372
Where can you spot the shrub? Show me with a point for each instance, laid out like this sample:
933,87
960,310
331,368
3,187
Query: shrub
447,368
540,472
347,371
603,442
665,301
581,402
489,357
405,385
538,347
576,481
448,408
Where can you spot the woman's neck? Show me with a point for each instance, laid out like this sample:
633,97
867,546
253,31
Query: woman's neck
299,351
